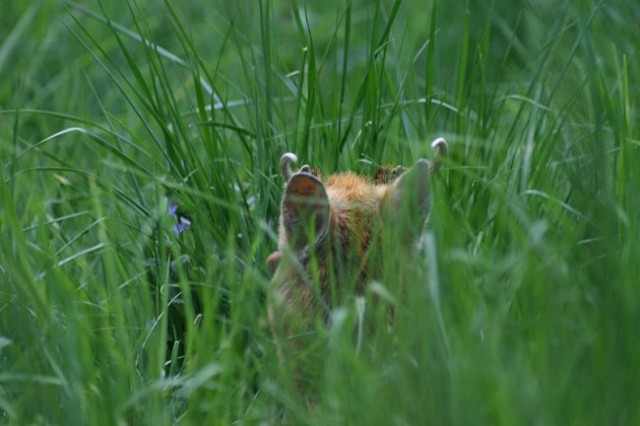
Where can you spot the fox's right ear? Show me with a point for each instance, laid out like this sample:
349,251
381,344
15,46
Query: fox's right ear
304,211
408,201
440,148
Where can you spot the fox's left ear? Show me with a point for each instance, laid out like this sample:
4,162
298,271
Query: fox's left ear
304,211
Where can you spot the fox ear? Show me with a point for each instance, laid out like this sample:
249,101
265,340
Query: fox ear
408,200
304,211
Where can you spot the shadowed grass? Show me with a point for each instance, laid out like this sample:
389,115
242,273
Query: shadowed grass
519,307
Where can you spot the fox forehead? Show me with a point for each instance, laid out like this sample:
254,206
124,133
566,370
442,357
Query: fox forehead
348,190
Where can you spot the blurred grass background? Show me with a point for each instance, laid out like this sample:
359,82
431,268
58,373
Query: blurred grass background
527,308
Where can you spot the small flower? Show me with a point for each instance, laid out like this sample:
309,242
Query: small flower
182,225
182,222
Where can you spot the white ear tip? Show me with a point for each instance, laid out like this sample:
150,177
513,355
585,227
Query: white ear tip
439,143
288,157
285,164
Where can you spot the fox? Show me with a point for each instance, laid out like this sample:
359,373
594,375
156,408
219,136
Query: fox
332,234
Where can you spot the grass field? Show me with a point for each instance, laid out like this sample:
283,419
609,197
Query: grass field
526,309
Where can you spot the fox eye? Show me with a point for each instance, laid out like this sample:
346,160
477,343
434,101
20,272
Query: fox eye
387,174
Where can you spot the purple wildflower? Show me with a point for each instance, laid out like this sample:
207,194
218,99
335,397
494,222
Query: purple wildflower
182,225
182,222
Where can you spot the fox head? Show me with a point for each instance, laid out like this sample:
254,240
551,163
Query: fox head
331,231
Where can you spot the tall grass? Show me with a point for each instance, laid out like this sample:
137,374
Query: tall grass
523,309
